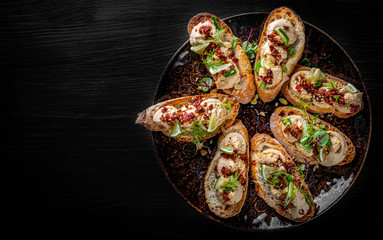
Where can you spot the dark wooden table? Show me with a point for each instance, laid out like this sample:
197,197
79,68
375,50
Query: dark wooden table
75,75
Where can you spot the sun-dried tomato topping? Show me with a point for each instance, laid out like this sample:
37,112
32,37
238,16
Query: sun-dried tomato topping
225,196
304,84
241,178
220,54
273,38
234,59
328,96
268,78
200,109
225,172
205,30
275,54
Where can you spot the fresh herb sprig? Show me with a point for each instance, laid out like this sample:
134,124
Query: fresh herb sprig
214,18
287,122
233,42
232,184
209,61
250,48
227,105
206,84
198,133
311,135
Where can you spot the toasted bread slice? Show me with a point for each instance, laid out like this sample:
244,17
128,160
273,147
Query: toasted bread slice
194,115
342,98
278,181
226,179
297,131
241,83
278,55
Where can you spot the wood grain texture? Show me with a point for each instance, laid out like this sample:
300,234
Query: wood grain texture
75,75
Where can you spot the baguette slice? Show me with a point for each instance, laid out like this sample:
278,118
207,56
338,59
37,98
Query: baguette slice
342,150
352,96
244,90
223,167
268,159
272,47
186,111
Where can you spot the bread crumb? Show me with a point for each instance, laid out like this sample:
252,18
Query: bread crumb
203,152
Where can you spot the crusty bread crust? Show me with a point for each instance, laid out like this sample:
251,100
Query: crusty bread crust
145,117
276,128
247,91
220,209
268,95
296,101
255,169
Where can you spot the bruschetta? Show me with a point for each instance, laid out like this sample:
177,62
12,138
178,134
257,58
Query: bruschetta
223,55
226,179
280,47
322,93
278,180
309,139
191,118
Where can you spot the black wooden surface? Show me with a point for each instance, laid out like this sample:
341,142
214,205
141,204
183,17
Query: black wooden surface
76,73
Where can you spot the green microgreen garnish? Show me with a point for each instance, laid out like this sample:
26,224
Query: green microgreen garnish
258,66
227,105
305,62
280,179
250,48
313,136
301,169
229,73
331,85
233,42
290,51
214,18
206,83
283,35
209,61
263,85
285,121
198,133
275,178
321,137
232,184
307,197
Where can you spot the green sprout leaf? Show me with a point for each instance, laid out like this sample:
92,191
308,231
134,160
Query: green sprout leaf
206,83
321,137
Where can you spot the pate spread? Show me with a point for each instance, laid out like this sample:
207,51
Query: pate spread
230,171
220,56
325,94
281,39
300,133
276,177
199,109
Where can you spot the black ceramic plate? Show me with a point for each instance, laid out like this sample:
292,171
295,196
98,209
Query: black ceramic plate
186,169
